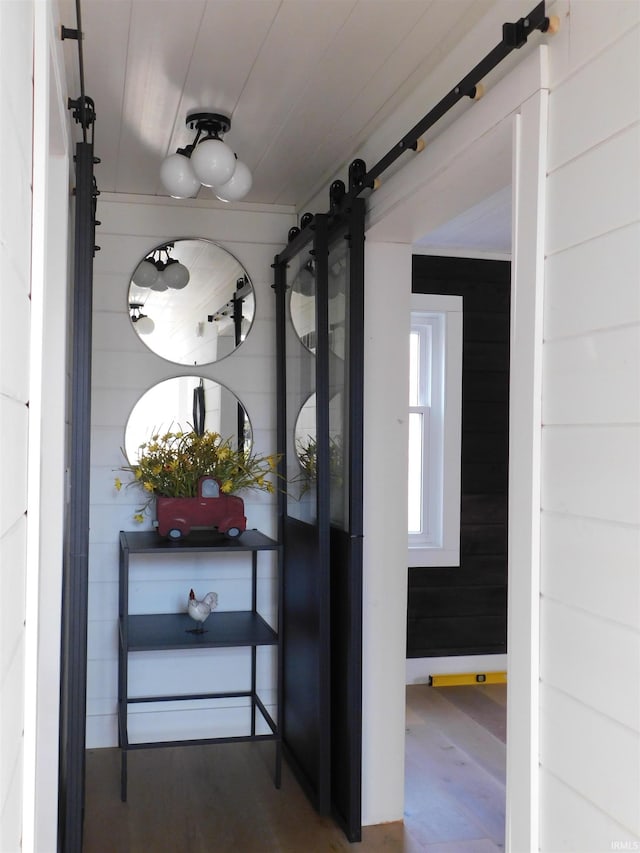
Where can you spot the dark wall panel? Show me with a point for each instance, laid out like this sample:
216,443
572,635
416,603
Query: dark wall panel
463,609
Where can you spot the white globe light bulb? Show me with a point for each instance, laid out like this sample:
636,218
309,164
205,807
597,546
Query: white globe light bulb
176,276
213,162
145,275
160,283
176,173
237,186
145,325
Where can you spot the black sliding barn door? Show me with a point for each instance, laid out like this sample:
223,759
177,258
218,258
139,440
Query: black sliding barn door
305,626
73,676
319,288
463,610
345,376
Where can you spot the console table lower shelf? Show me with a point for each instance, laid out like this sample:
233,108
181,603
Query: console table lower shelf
171,631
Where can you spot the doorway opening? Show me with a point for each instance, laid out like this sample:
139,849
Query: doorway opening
455,748
500,145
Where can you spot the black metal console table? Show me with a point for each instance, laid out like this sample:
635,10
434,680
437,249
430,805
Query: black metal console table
170,631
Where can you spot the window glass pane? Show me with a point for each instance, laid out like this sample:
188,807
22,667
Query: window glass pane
338,286
414,368
426,365
301,398
415,471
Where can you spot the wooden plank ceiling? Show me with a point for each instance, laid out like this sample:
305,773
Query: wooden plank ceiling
305,81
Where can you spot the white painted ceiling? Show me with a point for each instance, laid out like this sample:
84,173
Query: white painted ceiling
305,81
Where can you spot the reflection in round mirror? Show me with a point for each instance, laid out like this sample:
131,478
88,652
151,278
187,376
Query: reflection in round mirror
305,442
182,403
305,438
337,289
302,302
191,302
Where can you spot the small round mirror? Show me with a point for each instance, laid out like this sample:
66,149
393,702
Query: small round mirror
191,301
185,403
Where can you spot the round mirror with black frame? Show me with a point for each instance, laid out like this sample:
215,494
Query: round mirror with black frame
184,404
191,301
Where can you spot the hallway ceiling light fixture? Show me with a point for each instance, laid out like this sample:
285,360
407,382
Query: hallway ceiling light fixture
144,324
206,161
161,273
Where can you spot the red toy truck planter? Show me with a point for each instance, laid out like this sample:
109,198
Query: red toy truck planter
212,509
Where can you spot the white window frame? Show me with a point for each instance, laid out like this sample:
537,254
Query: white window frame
438,320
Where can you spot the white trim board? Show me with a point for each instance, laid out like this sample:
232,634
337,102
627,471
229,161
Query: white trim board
47,384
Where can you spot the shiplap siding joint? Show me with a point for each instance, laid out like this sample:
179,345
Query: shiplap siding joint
617,228
578,69
590,802
586,151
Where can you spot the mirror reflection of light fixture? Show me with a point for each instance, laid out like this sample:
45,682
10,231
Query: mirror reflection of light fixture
305,281
208,161
161,273
144,324
182,334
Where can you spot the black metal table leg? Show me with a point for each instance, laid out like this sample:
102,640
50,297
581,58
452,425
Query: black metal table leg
123,775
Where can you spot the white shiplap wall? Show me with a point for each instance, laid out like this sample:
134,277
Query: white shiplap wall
16,93
123,368
590,582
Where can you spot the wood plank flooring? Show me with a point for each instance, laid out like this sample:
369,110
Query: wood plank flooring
221,797
455,768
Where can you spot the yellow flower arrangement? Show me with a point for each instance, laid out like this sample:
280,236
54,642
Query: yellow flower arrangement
171,465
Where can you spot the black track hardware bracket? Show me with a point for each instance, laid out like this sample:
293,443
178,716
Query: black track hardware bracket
69,33
84,111
516,35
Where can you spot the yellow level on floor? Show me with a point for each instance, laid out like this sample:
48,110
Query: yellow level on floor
458,678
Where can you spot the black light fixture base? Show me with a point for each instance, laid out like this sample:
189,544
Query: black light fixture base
208,122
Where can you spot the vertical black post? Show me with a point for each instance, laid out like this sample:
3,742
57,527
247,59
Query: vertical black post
123,660
280,288
321,251
254,656
75,569
352,813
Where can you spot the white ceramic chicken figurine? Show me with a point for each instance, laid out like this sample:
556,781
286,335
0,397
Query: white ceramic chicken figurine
200,610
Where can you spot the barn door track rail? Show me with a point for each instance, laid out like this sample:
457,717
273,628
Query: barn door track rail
514,36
